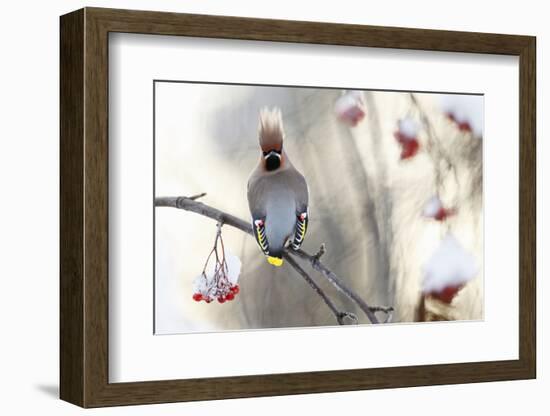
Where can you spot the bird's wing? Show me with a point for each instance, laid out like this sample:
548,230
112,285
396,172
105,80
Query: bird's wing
258,225
301,228
299,185
256,202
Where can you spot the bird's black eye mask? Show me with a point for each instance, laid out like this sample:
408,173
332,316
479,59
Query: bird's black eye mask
266,154
272,159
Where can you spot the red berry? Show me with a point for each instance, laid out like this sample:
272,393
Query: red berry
409,145
443,213
207,300
230,296
353,115
197,297
235,289
409,148
400,137
221,299
464,126
447,294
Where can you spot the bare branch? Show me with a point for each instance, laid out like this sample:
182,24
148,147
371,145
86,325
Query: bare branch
337,282
435,150
340,315
190,204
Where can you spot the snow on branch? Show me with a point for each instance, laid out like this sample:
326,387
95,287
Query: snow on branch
191,204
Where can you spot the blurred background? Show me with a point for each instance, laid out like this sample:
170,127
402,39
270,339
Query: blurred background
392,175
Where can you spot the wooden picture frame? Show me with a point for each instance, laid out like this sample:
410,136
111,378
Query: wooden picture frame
84,207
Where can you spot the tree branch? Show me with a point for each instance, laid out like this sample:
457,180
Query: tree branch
339,284
340,315
190,204
435,149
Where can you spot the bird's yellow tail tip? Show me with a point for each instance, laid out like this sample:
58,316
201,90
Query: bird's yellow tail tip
275,261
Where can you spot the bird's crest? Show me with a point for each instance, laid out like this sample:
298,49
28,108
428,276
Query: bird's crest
270,129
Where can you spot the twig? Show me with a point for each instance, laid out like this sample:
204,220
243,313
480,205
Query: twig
339,284
340,315
321,252
388,310
195,197
190,204
317,265
434,145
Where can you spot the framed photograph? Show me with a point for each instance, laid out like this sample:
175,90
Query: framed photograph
255,207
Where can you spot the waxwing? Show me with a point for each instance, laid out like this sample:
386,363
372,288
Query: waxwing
277,193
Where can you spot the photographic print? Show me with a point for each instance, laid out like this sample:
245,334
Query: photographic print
326,185
294,207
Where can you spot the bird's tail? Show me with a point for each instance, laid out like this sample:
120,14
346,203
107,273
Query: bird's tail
275,261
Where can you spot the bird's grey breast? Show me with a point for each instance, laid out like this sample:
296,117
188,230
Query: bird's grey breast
280,217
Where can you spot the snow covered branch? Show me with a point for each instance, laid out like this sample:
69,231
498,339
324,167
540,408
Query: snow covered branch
191,204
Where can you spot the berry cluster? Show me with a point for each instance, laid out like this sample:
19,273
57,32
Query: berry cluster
221,297
407,137
409,145
434,209
353,115
463,125
443,213
350,108
447,294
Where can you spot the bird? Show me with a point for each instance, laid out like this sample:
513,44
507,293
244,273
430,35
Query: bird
277,193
